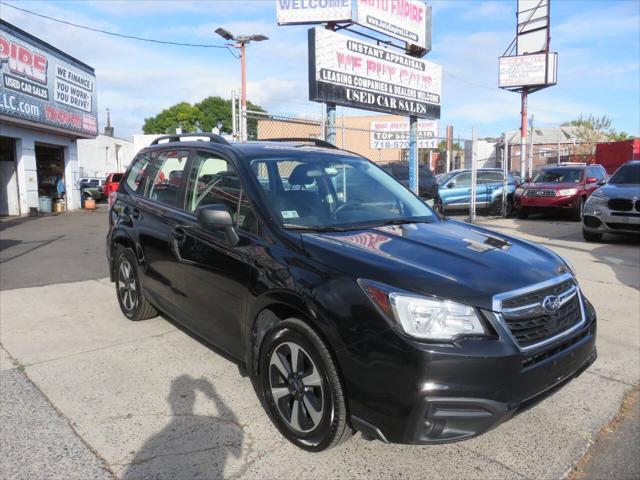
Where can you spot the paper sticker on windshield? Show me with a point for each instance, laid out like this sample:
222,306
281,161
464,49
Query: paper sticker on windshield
289,214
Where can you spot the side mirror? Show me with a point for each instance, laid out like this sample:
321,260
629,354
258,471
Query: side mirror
217,217
451,184
592,179
602,182
528,180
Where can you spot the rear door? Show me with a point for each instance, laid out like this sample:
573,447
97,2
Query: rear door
156,185
214,276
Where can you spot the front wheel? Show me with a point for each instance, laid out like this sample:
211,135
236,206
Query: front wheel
301,389
578,212
591,236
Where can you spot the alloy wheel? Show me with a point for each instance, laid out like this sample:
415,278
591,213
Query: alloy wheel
127,288
296,387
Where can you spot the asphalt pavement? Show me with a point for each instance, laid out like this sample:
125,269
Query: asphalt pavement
87,394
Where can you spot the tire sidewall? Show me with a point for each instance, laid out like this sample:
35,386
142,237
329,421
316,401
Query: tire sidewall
322,436
125,253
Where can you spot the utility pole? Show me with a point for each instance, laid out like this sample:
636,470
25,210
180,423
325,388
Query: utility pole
234,115
505,172
241,42
474,174
523,134
558,162
531,148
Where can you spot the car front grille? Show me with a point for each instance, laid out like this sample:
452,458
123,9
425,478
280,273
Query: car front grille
621,204
539,193
531,325
631,227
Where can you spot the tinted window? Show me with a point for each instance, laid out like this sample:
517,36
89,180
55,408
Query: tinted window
137,176
116,177
559,175
168,167
214,180
489,177
463,180
627,174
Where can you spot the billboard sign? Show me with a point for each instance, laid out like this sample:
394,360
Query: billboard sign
532,34
406,20
356,74
41,85
528,70
392,135
291,12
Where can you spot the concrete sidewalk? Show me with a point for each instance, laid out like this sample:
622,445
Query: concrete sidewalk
154,403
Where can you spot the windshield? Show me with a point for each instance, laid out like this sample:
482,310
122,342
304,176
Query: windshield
323,191
627,174
558,175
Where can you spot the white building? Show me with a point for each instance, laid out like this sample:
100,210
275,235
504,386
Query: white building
47,103
103,155
485,155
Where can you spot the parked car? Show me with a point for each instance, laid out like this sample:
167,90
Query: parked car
92,188
112,182
615,207
349,310
427,184
455,190
559,188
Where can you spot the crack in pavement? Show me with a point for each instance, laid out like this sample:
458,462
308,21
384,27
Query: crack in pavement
493,460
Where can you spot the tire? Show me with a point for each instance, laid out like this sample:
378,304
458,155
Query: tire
439,207
313,387
591,236
523,215
132,301
577,213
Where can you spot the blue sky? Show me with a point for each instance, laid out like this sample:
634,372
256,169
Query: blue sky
598,44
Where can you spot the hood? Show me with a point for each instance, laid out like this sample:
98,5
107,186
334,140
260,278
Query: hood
448,259
550,185
612,190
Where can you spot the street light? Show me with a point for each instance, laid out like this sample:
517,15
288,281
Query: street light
240,43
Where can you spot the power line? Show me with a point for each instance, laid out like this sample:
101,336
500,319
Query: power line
130,37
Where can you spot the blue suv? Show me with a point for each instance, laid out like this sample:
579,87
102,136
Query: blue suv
455,190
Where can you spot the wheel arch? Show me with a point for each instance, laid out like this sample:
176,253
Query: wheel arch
120,238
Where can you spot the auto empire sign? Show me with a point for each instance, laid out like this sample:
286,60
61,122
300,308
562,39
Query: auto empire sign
392,135
356,74
406,20
40,86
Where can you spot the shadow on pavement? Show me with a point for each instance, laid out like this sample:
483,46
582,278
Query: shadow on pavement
191,446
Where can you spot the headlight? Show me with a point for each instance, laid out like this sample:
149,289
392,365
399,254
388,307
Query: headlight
597,200
519,191
567,192
425,318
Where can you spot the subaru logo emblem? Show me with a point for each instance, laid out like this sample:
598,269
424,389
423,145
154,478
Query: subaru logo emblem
551,303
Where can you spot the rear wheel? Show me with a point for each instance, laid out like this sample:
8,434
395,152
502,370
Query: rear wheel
301,389
591,236
132,301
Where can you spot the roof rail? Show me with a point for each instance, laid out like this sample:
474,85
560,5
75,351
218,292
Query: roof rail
213,138
316,141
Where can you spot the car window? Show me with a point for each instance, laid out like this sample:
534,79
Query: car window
489,177
337,191
558,175
463,180
137,176
214,180
116,177
168,168
627,175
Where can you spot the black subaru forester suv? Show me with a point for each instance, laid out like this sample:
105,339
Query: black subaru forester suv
348,301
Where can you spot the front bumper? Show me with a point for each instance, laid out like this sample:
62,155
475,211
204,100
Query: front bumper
600,219
443,394
540,204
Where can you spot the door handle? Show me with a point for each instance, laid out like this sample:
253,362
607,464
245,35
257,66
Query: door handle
179,235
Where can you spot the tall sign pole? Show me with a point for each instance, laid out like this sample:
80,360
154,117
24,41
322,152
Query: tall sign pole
527,65
413,154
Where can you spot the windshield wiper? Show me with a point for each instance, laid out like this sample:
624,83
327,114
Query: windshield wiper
397,221
316,228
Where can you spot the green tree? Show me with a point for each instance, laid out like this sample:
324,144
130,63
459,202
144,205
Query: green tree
183,115
592,129
203,115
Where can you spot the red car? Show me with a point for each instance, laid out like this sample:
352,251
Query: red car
111,184
559,188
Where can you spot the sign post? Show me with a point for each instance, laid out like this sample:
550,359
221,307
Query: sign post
413,154
331,123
